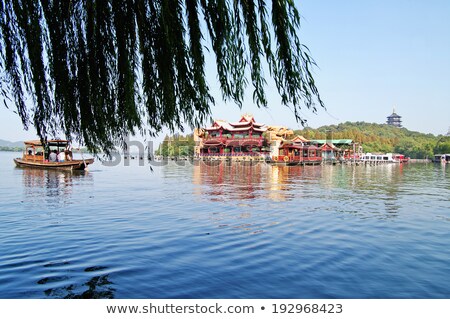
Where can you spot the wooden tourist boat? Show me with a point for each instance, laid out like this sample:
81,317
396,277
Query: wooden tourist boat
38,155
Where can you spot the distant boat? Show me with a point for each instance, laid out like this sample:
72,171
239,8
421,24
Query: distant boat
400,158
441,158
384,158
55,154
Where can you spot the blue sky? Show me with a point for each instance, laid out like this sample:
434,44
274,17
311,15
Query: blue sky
371,56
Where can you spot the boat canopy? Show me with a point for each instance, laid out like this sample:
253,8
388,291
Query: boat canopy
59,143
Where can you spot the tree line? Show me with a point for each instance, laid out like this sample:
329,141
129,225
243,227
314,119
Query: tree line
177,145
383,138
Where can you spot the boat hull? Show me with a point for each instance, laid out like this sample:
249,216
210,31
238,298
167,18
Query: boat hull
69,165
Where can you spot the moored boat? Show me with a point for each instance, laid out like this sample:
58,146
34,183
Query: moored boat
383,158
441,158
54,154
400,158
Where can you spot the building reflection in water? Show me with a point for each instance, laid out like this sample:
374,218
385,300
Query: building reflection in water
349,189
241,181
258,190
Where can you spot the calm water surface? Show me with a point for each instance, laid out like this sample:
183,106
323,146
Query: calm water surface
225,232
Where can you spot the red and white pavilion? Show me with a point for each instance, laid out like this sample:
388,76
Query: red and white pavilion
242,138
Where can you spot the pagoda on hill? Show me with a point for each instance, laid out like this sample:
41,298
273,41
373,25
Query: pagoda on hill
394,119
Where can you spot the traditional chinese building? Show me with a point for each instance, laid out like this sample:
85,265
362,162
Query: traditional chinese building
337,149
394,119
242,138
248,140
297,151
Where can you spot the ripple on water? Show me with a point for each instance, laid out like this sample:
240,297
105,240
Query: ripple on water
225,232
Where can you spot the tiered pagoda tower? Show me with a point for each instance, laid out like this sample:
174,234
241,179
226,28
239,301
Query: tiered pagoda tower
394,119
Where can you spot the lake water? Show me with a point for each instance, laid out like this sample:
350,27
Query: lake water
225,231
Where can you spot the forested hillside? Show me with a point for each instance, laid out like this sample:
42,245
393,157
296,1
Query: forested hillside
383,138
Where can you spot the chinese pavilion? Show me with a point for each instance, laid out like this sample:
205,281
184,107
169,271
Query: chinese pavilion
394,119
242,138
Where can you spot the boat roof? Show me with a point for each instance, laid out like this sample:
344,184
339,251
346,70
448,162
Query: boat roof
49,142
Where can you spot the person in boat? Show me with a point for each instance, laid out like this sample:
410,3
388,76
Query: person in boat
68,155
61,156
68,152
53,157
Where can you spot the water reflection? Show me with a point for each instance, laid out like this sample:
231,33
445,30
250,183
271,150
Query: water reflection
358,186
229,181
289,182
51,187
339,184
237,181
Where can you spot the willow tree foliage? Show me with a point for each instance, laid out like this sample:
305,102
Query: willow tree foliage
98,70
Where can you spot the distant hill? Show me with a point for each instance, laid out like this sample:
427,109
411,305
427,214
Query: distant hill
381,138
5,143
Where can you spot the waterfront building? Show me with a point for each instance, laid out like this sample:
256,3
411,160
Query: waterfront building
242,138
337,149
394,119
297,151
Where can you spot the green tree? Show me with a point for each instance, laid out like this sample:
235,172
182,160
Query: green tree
177,145
443,146
98,70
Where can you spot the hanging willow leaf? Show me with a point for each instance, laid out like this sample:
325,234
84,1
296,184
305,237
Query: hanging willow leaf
98,70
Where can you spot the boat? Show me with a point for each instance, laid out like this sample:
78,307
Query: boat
54,154
383,158
400,158
441,158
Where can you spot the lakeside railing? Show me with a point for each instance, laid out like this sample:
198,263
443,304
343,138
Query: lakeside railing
235,140
232,154
286,158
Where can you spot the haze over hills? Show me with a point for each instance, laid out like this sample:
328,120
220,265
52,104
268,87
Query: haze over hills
5,143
